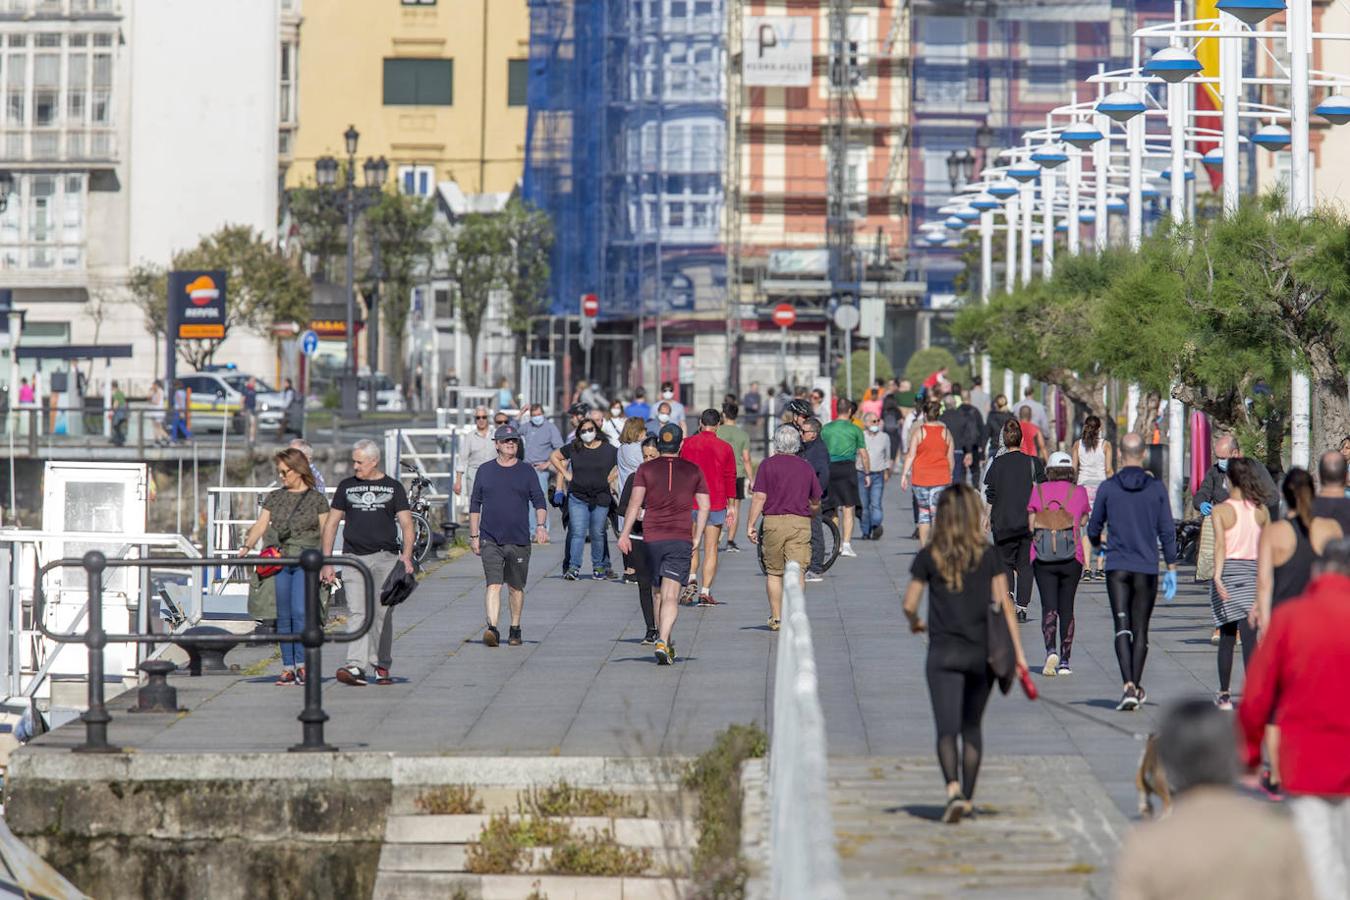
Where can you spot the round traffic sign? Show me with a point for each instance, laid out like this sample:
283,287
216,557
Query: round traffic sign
309,342
846,317
784,316
590,305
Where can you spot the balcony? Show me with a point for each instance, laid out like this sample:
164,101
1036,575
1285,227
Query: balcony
43,147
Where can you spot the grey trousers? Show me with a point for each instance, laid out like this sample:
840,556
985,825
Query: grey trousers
377,647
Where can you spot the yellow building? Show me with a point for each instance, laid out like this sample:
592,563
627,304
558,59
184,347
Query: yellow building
435,86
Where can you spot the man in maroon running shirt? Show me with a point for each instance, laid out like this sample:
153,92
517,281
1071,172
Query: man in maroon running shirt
665,489
717,460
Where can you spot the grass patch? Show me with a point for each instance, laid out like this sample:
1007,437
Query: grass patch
563,799
599,855
449,800
719,870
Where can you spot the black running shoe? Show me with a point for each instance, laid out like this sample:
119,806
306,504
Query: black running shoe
491,636
732,548
1021,614
571,575
1129,701
513,636
651,637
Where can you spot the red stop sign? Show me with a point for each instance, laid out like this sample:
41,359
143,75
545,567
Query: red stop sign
590,305
784,316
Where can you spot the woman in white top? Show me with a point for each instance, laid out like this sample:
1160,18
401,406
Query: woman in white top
156,415
1092,464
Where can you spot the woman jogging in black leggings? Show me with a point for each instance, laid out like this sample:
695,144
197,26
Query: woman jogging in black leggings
964,577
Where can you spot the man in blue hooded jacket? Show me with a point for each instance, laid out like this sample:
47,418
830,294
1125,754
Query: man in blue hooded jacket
1133,507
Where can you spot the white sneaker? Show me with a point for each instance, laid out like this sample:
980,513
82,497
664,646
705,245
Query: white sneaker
1051,667
812,577
847,550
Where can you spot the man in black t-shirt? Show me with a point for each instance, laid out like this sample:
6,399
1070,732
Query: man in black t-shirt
375,507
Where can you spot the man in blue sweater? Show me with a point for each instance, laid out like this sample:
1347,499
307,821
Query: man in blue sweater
1133,507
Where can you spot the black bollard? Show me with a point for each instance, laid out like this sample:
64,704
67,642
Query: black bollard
96,717
313,716
157,695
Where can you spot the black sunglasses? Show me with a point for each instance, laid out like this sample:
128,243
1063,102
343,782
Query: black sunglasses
480,417
499,422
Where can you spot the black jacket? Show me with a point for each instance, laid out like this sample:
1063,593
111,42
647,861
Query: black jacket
1214,489
818,455
1008,485
398,585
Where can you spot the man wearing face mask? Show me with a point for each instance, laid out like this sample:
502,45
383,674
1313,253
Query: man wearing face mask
540,437
1214,489
872,479
676,407
662,417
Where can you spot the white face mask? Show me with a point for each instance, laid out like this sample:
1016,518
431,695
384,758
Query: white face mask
667,395
537,420
616,411
663,417
588,435
874,428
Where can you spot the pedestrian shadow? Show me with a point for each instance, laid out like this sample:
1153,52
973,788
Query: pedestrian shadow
932,812
755,628
1096,704
651,659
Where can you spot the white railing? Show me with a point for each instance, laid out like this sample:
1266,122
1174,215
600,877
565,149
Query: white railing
803,861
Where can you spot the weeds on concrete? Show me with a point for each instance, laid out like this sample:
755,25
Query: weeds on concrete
719,870
597,854
563,799
502,847
449,800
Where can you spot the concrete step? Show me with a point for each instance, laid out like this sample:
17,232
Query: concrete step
404,885
449,858
667,804
405,829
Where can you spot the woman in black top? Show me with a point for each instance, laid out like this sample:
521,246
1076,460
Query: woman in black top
1288,548
964,578
588,467
637,560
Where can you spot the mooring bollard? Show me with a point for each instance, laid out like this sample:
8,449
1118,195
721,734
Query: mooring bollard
312,716
156,695
96,717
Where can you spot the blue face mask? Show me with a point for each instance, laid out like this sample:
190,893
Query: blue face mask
1223,465
537,420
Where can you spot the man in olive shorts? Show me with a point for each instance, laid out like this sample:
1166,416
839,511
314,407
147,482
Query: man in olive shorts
788,493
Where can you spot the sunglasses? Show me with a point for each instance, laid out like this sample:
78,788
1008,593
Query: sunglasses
480,417
499,422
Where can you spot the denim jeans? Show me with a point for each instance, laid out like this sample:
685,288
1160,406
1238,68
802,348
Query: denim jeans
872,513
583,519
290,585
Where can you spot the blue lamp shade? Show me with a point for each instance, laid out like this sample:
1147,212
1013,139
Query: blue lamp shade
954,223
1335,109
1087,217
1049,156
1167,175
1024,172
1148,192
1120,106
967,214
1037,241
984,202
1173,65
1117,206
1080,135
935,237
1214,158
1003,189
1253,12
1272,137
1062,227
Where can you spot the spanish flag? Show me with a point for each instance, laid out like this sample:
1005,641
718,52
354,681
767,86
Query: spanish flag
1207,95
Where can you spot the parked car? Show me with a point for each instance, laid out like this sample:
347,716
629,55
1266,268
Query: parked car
218,399
388,395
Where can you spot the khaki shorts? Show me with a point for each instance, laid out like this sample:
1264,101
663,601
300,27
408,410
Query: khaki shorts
785,538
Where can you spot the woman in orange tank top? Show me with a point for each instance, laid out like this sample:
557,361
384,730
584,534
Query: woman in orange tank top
928,465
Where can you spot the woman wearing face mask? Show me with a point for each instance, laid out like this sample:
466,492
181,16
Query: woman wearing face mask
614,424
676,407
661,417
872,484
588,473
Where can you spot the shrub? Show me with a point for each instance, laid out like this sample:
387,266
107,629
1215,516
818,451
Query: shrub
719,870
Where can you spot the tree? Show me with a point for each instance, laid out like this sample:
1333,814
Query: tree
860,363
528,233
322,227
403,225
478,266
927,361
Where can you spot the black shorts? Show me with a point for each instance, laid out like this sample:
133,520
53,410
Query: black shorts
507,564
740,488
843,485
669,559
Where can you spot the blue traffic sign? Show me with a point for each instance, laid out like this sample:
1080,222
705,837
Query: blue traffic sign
309,342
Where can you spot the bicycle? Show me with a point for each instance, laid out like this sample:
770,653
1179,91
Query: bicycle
420,507
830,532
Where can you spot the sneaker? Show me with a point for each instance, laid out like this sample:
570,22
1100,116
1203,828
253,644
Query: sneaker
1064,669
650,638
812,577
1224,701
1129,701
513,636
1051,667
663,654
689,594
705,598
629,579
1140,693
876,532
1021,614
352,675
732,548
569,575
1268,786
847,550
775,624
670,645
287,677
491,636
300,675
382,676
1214,638
600,575
956,808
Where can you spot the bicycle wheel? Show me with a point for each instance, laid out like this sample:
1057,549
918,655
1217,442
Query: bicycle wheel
421,537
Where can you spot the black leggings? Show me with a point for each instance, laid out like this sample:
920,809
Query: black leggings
637,561
1132,595
1228,635
1057,583
1016,556
959,699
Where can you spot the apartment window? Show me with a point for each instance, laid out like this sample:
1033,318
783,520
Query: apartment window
1047,42
54,85
418,2
43,225
286,106
944,38
419,82
517,82
417,181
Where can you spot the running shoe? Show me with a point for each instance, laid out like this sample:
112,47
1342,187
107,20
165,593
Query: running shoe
670,645
1269,786
812,577
491,636
1129,701
287,677
689,594
705,598
352,675
1022,614
956,808
513,636
1214,638
650,638
600,575
1051,667
300,675
775,624
571,575
732,548
663,655
629,579
1224,701
1140,693
1064,669
876,532
382,676
847,550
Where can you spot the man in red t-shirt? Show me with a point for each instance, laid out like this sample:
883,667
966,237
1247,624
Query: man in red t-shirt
665,489
1033,444
717,460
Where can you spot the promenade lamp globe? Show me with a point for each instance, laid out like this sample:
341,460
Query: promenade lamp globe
935,237
1167,175
376,171
1213,158
1087,217
1120,106
984,202
948,209
1273,137
1037,241
955,223
1149,192
350,137
1117,206
325,171
967,214
1252,12
1049,156
1061,228
1003,189
1173,65
1080,135
1024,172
1335,108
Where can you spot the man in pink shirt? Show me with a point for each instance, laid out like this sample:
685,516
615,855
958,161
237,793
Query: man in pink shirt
717,460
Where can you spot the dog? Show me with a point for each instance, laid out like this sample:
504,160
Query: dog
1151,779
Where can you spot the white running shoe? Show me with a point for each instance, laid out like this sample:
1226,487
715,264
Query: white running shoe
1051,667
847,550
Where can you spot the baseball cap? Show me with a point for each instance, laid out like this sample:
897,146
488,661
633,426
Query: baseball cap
1060,458
506,433
669,438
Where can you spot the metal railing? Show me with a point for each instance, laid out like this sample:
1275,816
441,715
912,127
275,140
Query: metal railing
804,863
96,717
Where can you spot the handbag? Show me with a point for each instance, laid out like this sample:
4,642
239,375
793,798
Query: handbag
272,551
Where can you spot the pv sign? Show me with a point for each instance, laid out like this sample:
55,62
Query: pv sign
776,51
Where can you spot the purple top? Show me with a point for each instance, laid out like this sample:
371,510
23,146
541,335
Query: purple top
1071,497
789,483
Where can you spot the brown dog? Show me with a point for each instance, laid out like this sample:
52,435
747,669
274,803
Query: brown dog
1151,779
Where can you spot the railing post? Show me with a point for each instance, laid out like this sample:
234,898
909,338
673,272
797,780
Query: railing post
33,422
96,717
313,716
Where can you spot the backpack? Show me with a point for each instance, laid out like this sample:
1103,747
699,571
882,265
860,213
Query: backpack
1052,531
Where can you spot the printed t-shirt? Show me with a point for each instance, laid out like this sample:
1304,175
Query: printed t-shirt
369,510
590,471
671,484
295,517
789,484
